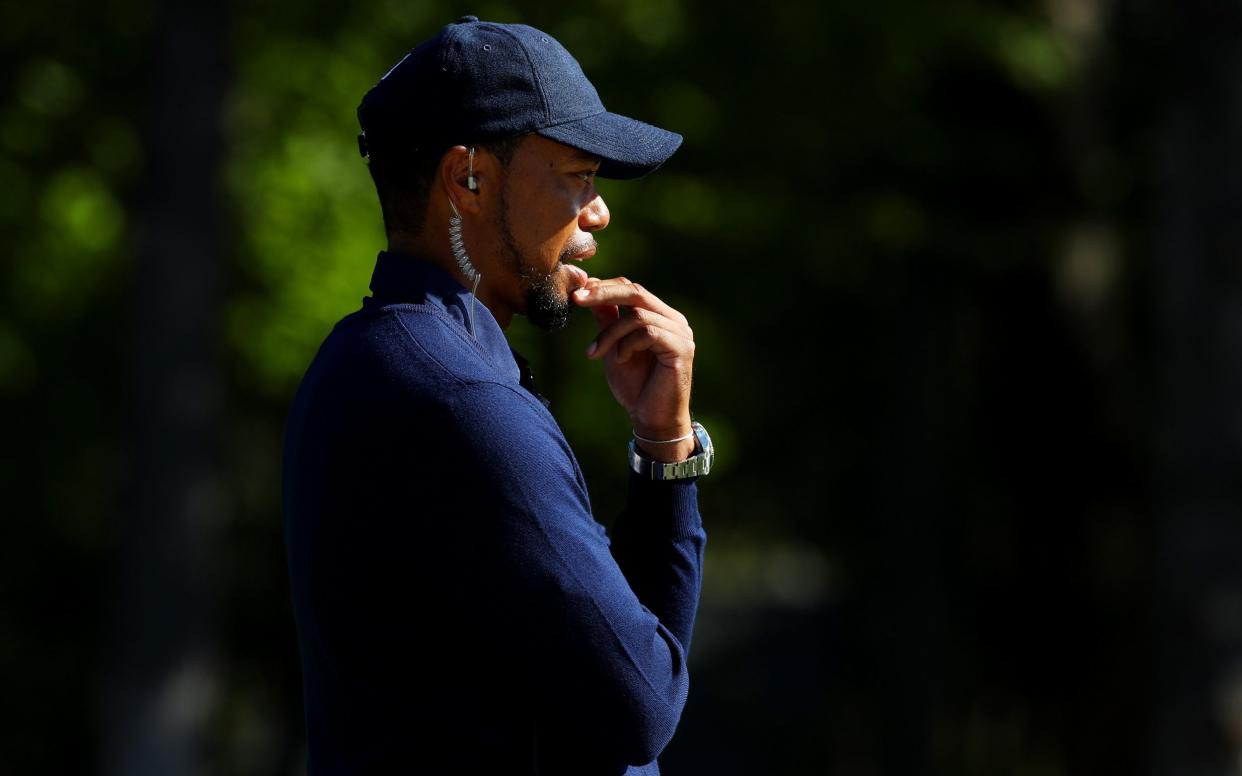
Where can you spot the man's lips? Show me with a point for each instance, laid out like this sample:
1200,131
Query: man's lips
584,255
580,275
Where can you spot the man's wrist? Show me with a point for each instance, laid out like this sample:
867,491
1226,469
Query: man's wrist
667,453
667,445
698,463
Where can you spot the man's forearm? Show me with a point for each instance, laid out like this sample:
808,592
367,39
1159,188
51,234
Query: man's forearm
658,542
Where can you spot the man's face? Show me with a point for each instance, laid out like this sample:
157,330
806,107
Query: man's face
547,211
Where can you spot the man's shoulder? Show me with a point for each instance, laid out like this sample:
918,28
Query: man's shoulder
409,346
500,407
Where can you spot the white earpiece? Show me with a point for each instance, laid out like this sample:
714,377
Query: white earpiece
470,182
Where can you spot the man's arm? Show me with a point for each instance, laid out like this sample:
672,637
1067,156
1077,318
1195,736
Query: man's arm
614,671
648,352
658,542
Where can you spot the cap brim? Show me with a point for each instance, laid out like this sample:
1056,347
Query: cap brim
629,148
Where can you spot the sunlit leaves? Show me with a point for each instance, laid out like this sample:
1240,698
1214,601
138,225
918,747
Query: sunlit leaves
310,219
82,225
1033,53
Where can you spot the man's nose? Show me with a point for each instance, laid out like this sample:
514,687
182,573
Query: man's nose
594,216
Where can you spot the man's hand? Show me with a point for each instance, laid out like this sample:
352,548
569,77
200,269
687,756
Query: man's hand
648,353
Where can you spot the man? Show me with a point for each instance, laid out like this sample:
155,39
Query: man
459,609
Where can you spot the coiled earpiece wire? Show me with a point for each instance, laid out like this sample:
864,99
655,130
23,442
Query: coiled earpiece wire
458,245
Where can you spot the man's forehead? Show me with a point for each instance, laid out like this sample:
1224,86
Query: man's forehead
578,155
559,152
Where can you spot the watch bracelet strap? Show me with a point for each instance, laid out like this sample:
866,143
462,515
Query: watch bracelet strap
678,470
697,465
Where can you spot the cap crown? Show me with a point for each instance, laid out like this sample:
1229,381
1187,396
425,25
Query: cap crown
476,81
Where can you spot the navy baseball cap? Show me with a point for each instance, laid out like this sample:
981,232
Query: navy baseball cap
477,81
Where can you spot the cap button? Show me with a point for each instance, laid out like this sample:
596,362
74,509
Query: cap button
467,19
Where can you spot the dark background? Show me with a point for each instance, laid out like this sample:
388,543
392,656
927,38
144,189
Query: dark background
965,279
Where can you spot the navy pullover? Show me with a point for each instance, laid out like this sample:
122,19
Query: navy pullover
459,610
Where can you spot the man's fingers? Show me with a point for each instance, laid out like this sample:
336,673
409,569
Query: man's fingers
624,294
608,281
637,319
631,319
664,344
605,315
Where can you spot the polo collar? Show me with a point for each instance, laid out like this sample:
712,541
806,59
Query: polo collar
401,278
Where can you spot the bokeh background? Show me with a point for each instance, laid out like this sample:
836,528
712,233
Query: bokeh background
966,283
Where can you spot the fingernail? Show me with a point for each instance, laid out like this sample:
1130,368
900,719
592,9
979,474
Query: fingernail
592,348
582,293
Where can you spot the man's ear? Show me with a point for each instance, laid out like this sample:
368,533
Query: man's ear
459,168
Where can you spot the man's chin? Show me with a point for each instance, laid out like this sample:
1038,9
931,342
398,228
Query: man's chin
547,304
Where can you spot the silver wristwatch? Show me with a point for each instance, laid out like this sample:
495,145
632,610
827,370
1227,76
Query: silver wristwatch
696,465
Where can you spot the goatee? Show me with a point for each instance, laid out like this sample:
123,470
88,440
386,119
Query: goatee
545,306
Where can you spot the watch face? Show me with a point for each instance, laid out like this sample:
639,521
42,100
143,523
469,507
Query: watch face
708,454
700,433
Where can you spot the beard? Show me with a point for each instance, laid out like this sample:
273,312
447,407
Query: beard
547,306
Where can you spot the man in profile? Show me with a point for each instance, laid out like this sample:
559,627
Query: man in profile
459,609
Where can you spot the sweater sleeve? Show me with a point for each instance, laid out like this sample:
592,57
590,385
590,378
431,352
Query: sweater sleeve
617,669
658,542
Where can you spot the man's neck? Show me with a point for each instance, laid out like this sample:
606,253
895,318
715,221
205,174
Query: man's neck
420,246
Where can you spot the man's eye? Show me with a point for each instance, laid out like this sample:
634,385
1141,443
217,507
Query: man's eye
587,176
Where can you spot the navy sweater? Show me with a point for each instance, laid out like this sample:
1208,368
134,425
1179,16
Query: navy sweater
459,609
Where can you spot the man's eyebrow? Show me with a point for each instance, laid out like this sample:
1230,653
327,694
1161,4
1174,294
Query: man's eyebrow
583,156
